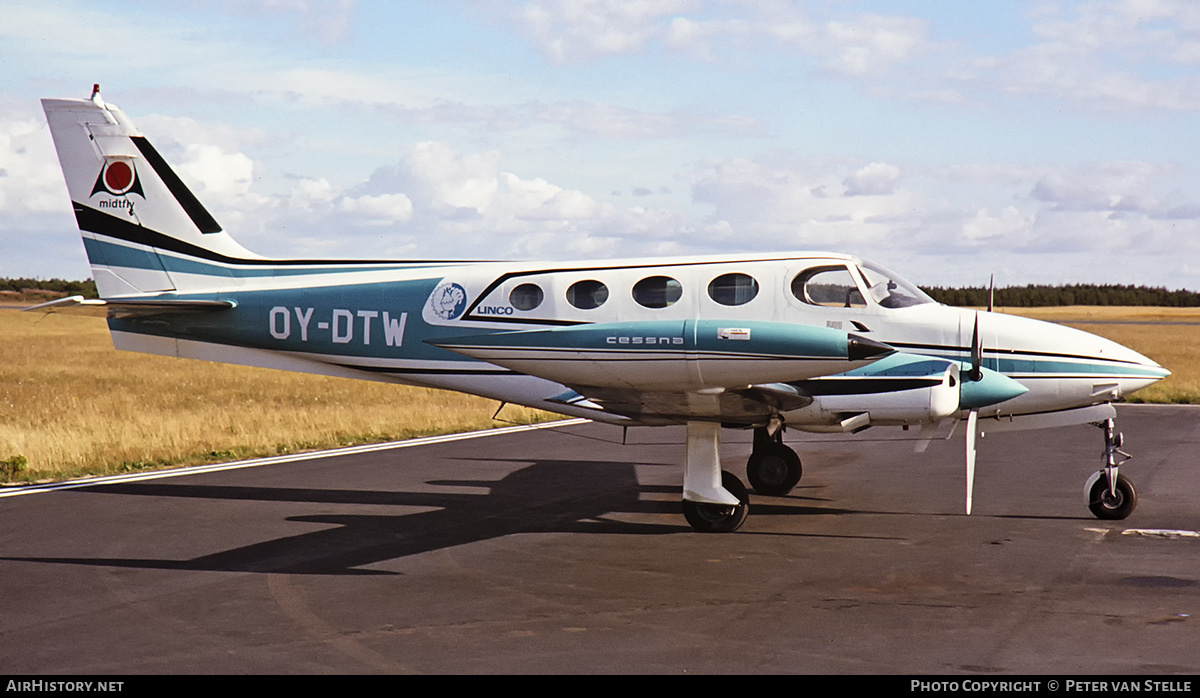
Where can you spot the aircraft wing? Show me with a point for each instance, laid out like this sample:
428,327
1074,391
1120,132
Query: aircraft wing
747,406
897,389
129,308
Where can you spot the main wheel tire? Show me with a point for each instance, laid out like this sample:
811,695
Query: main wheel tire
1104,505
774,471
720,518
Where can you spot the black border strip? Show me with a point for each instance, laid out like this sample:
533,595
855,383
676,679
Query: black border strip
647,265
100,223
862,386
191,205
433,371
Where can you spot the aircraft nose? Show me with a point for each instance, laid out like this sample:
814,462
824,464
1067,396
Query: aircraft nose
1116,369
863,349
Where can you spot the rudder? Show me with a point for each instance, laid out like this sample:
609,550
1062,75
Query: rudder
136,215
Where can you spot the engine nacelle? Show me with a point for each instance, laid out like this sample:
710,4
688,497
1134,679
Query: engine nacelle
678,355
901,389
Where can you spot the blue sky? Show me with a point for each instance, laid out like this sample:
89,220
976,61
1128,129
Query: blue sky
1043,142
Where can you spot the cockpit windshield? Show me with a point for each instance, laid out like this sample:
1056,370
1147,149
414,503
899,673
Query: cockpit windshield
889,290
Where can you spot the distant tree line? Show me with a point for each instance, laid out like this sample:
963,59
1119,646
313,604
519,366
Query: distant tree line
1078,294
87,289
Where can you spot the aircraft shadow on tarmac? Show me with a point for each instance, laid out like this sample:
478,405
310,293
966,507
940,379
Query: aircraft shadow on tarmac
552,496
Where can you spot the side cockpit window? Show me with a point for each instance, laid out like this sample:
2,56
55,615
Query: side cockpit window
831,287
889,290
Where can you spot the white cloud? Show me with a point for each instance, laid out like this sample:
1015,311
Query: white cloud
210,158
876,179
30,180
218,173
1108,55
537,199
857,45
1008,228
328,20
1116,187
436,201
575,29
867,44
796,204
384,209
38,234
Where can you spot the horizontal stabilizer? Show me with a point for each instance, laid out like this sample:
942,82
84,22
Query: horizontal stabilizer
128,308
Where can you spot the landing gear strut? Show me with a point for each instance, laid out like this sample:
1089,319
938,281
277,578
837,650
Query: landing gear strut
714,501
773,468
1111,495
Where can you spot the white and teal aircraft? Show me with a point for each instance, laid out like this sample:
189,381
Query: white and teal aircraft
817,342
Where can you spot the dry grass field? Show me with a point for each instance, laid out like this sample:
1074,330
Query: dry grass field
71,405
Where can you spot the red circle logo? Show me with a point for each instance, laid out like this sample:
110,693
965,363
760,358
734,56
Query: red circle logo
118,177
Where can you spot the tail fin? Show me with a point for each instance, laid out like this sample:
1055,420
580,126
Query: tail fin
140,223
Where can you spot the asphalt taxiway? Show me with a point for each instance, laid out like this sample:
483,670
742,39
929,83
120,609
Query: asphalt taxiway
562,550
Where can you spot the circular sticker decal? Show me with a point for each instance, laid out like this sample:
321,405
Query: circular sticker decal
448,301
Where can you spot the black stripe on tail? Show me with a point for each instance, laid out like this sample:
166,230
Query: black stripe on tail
195,210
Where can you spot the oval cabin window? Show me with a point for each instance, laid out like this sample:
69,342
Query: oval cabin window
526,296
733,289
657,292
587,295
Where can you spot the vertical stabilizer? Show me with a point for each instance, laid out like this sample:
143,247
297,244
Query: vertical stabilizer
137,217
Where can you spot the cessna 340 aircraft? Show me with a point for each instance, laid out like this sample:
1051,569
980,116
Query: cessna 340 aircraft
813,341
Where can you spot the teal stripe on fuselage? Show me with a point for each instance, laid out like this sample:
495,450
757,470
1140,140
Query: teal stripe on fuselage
379,320
1047,367
1043,366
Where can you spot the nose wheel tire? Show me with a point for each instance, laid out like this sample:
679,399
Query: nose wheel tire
1105,505
720,518
774,470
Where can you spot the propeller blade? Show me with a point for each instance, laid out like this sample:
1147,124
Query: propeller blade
991,293
972,418
976,373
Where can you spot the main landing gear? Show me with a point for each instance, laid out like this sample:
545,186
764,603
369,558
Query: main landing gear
1111,495
720,518
716,501
773,468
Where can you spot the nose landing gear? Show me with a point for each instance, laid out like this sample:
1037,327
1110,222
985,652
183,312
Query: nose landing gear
1111,495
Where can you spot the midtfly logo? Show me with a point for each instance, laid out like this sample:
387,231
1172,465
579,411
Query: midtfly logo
118,177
